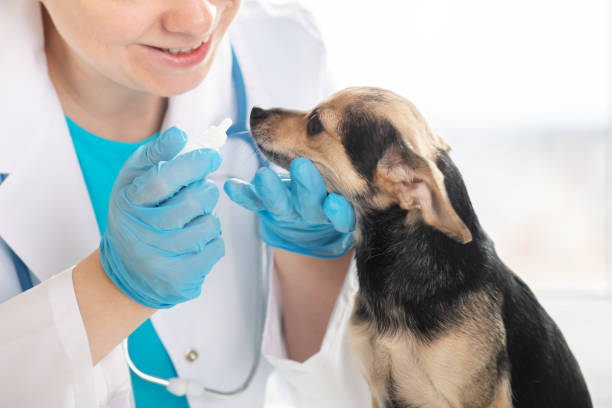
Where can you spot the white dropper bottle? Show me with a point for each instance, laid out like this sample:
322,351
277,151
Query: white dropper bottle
213,138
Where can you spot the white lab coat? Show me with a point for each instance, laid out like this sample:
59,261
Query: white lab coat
46,218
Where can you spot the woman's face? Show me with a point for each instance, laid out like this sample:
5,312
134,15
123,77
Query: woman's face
163,47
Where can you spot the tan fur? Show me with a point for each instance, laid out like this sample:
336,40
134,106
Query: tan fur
373,361
503,398
338,173
452,370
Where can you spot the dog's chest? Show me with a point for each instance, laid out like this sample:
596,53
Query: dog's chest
451,370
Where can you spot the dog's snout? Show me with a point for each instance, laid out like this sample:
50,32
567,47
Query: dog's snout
257,115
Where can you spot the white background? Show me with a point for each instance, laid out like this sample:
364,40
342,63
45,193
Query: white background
521,90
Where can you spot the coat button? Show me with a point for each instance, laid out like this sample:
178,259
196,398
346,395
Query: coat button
191,355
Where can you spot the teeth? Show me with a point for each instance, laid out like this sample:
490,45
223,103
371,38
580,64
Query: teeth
177,51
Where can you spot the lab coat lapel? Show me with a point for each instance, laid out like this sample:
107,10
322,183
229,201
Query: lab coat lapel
45,214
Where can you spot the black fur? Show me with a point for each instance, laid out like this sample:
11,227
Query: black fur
367,138
423,273
314,126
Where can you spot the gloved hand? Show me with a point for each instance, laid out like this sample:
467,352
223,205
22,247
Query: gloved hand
161,236
297,214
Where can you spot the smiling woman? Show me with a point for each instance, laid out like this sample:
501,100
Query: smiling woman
110,226
111,41
130,55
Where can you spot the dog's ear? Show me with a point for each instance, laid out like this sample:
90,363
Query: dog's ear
417,183
441,143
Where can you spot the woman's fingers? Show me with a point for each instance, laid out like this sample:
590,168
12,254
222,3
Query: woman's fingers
191,238
207,257
267,192
340,213
190,202
308,190
165,179
304,196
164,148
273,193
243,194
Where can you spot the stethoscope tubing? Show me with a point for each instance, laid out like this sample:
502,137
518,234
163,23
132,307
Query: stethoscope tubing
172,384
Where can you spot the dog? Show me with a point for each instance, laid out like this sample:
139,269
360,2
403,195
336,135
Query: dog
439,320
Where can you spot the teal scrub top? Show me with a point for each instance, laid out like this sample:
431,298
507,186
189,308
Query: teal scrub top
101,160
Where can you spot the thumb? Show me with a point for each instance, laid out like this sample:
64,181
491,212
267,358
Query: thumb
339,212
164,148
243,194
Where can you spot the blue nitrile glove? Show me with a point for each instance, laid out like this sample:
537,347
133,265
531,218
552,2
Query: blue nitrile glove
161,236
297,214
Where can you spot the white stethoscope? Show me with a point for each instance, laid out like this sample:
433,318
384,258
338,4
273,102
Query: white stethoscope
184,386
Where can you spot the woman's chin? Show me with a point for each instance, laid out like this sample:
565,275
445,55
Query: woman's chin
173,89
178,84
168,84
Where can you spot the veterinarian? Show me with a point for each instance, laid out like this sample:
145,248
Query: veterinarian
103,235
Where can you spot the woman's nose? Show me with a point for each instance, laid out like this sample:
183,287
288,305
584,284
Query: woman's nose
191,17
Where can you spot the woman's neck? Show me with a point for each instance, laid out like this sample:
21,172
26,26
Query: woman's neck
94,101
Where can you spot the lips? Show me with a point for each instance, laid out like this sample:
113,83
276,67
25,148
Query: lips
180,57
180,51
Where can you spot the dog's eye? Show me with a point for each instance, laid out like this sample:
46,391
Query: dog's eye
314,126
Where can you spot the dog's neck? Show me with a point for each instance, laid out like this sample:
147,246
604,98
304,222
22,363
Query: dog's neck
415,268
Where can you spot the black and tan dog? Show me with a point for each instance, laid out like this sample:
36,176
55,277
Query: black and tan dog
439,320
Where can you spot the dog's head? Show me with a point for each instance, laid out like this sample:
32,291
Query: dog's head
370,145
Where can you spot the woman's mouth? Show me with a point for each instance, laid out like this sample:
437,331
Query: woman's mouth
181,57
180,51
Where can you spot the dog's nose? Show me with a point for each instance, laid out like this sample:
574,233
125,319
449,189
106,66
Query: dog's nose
257,115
